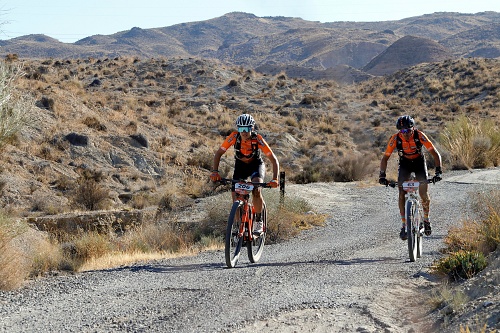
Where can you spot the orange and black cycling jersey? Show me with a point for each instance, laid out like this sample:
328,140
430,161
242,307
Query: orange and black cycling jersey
410,149
246,149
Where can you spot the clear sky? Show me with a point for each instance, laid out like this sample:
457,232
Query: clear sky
69,21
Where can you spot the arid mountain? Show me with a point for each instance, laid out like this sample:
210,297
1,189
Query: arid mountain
406,52
251,41
482,41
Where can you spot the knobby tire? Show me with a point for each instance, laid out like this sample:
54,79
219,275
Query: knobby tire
411,231
256,246
419,223
233,242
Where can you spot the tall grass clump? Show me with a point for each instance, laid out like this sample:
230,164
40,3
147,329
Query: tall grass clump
286,217
16,108
468,245
11,271
342,169
472,145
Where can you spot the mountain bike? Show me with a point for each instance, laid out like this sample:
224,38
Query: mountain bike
414,215
239,230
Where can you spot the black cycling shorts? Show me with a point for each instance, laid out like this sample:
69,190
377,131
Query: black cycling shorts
407,166
255,168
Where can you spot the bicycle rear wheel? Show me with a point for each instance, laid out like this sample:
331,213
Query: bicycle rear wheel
234,241
256,246
411,230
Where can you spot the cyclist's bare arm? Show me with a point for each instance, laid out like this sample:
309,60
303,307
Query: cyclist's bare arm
383,163
437,157
217,157
275,163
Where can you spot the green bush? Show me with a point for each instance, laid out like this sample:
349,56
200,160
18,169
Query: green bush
461,264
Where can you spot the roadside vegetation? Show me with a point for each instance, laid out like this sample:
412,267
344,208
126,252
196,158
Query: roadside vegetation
89,250
176,112
472,145
467,246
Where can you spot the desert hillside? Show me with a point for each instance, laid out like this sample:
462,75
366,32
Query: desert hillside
140,127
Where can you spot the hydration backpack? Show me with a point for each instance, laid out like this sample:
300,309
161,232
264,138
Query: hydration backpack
399,144
255,147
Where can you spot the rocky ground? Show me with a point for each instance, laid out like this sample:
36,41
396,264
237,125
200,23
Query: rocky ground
352,275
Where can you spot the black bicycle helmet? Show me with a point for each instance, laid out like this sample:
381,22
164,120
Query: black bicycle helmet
245,120
405,122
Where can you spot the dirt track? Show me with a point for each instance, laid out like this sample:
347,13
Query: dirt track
352,275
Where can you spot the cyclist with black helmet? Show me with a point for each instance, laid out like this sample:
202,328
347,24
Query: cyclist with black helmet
248,161
409,141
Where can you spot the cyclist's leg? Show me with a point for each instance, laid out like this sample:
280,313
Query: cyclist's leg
403,174
422,175
259,171
404,171
241,171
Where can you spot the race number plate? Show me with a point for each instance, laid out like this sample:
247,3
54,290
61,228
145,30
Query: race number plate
243,188
410,186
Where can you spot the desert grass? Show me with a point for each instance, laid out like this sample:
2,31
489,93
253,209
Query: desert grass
154,240
287,216
16,108
11,271
446,296
468,245
472,144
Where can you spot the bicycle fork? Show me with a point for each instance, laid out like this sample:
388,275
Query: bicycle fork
246,221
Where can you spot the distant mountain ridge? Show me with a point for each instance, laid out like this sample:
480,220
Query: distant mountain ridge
277,42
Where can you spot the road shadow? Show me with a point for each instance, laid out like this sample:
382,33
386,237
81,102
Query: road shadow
205,267
353,261
161,268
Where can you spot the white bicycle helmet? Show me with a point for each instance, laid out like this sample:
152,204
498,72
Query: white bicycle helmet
245,120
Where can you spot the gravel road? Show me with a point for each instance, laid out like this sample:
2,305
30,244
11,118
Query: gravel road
353,275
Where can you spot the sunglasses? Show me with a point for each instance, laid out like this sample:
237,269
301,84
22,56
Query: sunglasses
405,130
244,129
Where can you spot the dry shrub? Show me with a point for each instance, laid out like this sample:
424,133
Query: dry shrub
12,268
80,248
285,218
90,195
288,216
464,237
152,237
482,235
16,108
467,246
444,296
47,257
472,145
346,169
11,272
353,168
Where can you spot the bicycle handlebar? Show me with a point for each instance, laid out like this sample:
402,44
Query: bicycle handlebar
393,183
234,181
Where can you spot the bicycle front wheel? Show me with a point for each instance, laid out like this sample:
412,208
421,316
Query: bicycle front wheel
419,223
234,240
256,246
411,230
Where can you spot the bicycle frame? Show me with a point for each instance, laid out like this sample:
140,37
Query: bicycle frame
414,216
243,190
239,230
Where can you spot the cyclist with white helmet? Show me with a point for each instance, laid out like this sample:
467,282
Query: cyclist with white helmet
409,141
248,161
